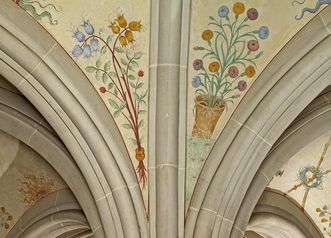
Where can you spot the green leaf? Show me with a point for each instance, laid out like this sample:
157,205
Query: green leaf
117,113
110,85
113,103
136,96
134,63
109,39
98,63
90,69
122,106
98,74
129,55
123,71
104,78
138,55
141,112
133,85
107,66
115,92
144,95
103,50
133,141
127,126
131,77
124,61
140,85
141,123
112,74
119,49
131,68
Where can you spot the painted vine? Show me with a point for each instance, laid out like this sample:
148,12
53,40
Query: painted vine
120,75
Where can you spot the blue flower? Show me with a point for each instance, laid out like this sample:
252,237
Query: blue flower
88,27
223,11
78,35
94,45
77,51
264,32
87,51
196,81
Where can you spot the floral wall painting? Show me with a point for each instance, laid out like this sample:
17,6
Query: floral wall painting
325,218
35,186
40,10
5,220
116,65
227,60
312,176
313,10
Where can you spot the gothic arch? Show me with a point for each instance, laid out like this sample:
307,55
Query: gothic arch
297,75
41,70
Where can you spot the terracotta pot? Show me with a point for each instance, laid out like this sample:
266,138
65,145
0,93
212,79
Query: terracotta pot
205,118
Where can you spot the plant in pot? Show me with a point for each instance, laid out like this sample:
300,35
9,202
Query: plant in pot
228,59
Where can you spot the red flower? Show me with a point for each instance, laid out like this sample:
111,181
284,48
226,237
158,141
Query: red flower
103,89
141,73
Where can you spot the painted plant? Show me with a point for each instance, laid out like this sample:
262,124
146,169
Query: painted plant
311,176
35,187
228,60
5,218
117,67
38,10
318,5
325,218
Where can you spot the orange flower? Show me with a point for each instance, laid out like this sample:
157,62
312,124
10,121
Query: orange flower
121,21
135,26
123,41
129,36
207,35
214,67
114,27
250,71
238,8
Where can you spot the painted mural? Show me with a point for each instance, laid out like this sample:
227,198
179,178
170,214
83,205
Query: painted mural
229,47
25,178
306,178
110,42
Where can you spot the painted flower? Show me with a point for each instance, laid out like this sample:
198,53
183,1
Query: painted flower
214,66
123,41
250,71
89,29
122,21
207,35
135,26
87,51
94,45
77,51
114,27
196,81
197,64
264,32
223,11
252,14
102,89
141,73
238,8
78,35
253,45
233,71
129,36
242,85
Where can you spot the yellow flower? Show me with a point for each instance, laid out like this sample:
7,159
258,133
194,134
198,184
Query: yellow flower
207,35
121,21
123,41
114,27
129,36
250,71
214,67
318,210
238,8
135,26
324,220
